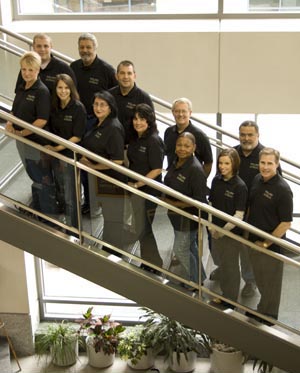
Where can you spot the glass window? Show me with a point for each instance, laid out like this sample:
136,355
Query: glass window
248,6
27,7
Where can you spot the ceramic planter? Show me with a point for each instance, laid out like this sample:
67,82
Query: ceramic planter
185,365
145,362
98,359
226,361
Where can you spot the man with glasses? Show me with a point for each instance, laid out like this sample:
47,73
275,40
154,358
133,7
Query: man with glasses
182,111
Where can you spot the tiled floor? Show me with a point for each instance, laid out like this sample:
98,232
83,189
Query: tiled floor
32,365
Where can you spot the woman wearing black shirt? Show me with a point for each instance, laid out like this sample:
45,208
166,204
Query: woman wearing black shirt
106,138
145,155
67,120
228,194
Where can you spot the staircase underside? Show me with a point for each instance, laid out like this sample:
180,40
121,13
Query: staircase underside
229,326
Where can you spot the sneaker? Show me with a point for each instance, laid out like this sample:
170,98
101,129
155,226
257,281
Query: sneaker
215,275
248,290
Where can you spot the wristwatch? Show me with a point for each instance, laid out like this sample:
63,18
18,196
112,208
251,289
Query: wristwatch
265,245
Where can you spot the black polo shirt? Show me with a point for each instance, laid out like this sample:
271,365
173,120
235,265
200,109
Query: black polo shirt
270,203
203,149
68,122
249,164
93,78
31,104
48,74
107,140
228,196
146,153
126,104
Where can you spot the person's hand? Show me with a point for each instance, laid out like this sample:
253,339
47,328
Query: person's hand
215,234
85,161
50,147
10,128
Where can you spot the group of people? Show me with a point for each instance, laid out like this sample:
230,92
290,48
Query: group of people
103,110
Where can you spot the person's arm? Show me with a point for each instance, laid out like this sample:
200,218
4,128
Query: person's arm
40,123
278,232
9,127
228,226
151,175
98,166
59,148
207,168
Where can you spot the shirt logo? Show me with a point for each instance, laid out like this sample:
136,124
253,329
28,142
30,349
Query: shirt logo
93,81
181,178
253,166
229,194
30,98
268,194
68,118
98,135
142,149
130,105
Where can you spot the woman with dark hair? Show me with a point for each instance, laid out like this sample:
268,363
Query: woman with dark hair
229,194
186,176
145,154
67,120
106,138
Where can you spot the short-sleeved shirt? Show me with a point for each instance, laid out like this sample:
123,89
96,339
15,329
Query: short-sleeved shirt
190,180
48,74
146,153
126,104
32,104
270,203
91,79
228,196
249,166
107,140
203,149
68,122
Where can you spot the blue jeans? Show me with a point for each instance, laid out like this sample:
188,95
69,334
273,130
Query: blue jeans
186,251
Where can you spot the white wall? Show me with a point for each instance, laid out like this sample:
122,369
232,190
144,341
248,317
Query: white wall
13,289
243,72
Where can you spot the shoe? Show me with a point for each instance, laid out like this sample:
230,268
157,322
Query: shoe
249,290
215,275
85,209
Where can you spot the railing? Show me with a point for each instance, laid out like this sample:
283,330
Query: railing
89,240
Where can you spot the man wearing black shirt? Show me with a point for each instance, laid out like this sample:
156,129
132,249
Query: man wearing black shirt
128,95
271,210
51,66
93,75
182,111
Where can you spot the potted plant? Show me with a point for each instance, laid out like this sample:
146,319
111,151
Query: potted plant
176,341
61,340
103,337
136,348
224,358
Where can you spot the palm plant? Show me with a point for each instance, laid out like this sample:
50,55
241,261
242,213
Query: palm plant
170,336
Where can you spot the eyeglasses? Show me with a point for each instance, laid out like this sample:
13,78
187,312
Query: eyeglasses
100,105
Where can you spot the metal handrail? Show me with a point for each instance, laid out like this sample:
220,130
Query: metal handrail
202,207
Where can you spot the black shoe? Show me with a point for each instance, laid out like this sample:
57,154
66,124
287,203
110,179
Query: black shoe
85,209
